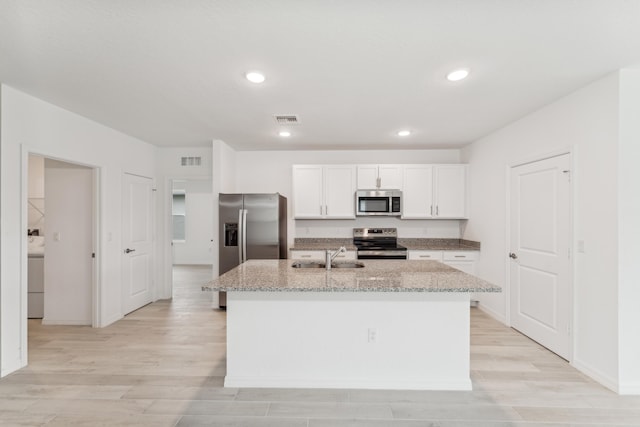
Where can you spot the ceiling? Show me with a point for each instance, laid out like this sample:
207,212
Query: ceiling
354,71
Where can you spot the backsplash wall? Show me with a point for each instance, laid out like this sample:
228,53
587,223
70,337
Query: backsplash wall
406,228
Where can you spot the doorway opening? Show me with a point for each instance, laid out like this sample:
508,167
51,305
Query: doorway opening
191,236
61,224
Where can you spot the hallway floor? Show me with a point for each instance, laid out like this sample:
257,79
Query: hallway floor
164,365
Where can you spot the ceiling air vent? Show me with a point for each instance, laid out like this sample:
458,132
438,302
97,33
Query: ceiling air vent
286,119
190,161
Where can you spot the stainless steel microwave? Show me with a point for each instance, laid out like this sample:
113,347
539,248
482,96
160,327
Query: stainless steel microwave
378,202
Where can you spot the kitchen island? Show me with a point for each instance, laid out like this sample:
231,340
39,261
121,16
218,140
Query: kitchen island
393,324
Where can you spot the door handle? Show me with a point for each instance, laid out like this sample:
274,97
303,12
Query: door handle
126,251
512,255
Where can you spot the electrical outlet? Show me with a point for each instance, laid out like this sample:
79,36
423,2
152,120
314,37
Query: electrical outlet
372,335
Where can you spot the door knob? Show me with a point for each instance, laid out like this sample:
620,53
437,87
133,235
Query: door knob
512,255
126,251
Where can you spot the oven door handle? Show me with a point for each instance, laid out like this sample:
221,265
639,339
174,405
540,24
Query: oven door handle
382,253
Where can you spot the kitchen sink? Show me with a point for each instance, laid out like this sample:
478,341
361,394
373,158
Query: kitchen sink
311,264
347,265
307,265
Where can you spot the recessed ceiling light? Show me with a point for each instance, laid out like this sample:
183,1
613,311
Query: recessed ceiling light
404,133
457,75
285,134
255,76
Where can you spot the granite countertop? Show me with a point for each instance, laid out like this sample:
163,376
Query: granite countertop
439,244
375,276
321,244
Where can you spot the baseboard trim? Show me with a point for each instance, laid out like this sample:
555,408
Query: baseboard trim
499,317
345,383
631,389
597,375
66,322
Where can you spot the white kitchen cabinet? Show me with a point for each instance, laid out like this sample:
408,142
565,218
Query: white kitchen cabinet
462,260
324,191
384,177
424,255
417,192
320,255
450,188
434,191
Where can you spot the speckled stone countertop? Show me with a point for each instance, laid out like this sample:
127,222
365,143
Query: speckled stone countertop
440,244
375,276
322,244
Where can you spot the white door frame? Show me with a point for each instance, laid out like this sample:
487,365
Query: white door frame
96,288
570,150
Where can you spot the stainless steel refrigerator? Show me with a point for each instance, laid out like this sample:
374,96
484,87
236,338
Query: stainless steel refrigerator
252,226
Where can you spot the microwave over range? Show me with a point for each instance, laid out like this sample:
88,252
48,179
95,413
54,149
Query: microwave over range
378,202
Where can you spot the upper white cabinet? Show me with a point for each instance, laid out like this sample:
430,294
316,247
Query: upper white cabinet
417,192
428,191
386,177
434,191
324,191
450,190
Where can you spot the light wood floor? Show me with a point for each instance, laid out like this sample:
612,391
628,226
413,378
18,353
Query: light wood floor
163,365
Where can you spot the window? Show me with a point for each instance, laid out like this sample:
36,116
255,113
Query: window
178,212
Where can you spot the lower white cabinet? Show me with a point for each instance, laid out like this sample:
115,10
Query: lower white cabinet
320,255
35,285
425,255
464,261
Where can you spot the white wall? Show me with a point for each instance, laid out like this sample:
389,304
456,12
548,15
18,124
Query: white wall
68,266
588,122
629,231
28,125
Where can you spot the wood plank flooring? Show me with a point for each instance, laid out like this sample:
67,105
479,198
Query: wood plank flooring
164,364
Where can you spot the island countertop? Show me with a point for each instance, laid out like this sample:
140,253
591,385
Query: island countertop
375,276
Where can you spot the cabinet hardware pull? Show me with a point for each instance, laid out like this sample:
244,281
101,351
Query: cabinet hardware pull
431,210
460,256
305,256
513,256
437,210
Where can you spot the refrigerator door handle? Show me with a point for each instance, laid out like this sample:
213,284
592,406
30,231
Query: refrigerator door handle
244,235
240,236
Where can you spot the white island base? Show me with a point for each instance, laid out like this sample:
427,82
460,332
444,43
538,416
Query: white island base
356,340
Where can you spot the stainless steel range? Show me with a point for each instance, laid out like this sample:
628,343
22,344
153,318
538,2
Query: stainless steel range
378,243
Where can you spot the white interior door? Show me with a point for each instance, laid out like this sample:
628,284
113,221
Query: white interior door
137,241
540,259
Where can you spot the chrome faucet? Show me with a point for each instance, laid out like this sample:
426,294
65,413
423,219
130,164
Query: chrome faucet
331,256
